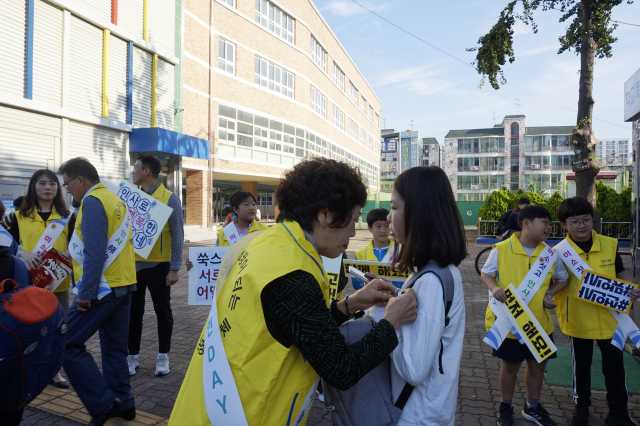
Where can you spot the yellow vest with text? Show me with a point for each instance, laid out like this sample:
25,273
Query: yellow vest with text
576,317
254,227
272,380
122,271
513,265
367,253
161,251
32,228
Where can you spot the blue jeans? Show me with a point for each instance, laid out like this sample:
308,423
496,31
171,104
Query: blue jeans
110,317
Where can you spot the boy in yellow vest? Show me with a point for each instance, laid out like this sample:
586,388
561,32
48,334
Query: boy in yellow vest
585,322
380,248
159,271
509,263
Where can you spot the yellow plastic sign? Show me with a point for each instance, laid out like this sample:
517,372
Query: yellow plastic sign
382,270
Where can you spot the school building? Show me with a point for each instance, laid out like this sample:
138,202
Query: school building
269,84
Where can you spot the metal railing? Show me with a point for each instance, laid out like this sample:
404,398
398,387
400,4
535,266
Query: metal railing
480,150
481,168
618,230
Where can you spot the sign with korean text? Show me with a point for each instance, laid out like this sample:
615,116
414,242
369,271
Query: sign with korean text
386,186
409,134
53,270
332,267
204,274
382,270
414,152
632,97
148,217
388,146
405,154
527,325
605,291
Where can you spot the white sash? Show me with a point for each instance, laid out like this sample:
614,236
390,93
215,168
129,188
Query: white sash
6,239
231,232
332,267
50,235
115,245
221,396
388,258
526,291
577,266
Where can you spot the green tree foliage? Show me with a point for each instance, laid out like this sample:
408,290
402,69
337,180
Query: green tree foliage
495,204
535,198
625,198
613,207
552,205
513,202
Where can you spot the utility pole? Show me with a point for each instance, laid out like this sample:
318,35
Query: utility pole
494,118
518,104
411,125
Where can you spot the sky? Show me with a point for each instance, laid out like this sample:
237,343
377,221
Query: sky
417,82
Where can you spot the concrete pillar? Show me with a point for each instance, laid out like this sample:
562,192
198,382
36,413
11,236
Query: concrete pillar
251,187
197,198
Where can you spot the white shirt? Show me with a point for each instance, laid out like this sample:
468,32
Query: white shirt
416,358
491,266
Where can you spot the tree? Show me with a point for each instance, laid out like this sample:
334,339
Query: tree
495,204
590,34
552,205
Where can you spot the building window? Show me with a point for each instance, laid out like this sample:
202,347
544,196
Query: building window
377,121
353,129
371,142
353,93
338,118
229,2
318,55
274,19
363,137
226,56
364,106
370,112
338,77
318,102
273,77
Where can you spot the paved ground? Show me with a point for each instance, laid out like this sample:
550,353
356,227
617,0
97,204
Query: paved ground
478,396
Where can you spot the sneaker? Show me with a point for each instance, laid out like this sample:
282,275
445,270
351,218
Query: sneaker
580,416
538,415
505,415
320,396
162,365
619,419
132,361
128,414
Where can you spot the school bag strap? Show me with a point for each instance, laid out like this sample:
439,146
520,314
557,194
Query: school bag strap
446,281
20,272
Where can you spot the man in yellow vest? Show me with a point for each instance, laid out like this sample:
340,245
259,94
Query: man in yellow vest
105,278
159,271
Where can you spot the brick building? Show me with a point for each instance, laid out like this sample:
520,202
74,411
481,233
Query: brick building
268,84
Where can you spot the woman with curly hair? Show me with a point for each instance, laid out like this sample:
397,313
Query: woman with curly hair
276,320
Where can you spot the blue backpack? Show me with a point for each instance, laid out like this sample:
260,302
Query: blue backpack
33,333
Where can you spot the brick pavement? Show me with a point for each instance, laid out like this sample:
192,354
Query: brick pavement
478,395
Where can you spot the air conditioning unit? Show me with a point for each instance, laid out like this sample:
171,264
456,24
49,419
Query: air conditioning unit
475,186
535,167
474,168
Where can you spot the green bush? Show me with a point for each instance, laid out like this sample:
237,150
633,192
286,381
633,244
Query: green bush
552,205
495,204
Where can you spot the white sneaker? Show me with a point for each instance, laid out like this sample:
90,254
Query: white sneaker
162,365
132,361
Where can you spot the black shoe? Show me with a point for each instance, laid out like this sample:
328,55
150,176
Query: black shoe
580,416
114,409
128,414
505,415
619,419
538,415
62,384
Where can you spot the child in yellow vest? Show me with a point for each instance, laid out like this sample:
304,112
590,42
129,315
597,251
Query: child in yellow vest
585,322
380,248
509,263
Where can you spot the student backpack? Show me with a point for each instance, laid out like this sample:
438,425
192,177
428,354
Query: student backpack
33,332
501,220
370,401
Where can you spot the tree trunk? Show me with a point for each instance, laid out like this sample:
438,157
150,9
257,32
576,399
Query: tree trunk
583,140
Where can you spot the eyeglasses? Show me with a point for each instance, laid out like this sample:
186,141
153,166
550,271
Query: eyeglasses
587,223
66,184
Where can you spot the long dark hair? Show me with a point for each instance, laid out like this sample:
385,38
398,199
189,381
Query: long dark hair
30,204
433,225
240,197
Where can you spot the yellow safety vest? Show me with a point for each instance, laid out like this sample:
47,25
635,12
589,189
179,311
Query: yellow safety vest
254,227
513,265
367,253
32,228
122,271
272,380
161,251
576,317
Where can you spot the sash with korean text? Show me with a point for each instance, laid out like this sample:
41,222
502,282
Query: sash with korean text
231,232
50,235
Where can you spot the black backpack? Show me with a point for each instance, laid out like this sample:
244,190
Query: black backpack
501,220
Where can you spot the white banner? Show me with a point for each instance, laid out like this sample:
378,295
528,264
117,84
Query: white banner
204,274
50,235
148,217
231,232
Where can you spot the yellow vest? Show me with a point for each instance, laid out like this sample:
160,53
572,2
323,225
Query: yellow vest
513,265
272,380
368,254
123,269
254,227
161,251
32,228
576,317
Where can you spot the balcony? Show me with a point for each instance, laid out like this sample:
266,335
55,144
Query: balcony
482,168
481,150
480,187
548,148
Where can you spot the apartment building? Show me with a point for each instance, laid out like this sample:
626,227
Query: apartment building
614,151
93,78
510,154
430,152
269,84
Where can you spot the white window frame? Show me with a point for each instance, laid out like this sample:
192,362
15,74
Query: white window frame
272,18
338,118
223,62
275,78
338,76
231,3
318,102
353,93
363,137
318,54
364,106
353,129
370,113
377,121
371,142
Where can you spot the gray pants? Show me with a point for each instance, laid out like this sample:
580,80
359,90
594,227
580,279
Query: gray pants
63,298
